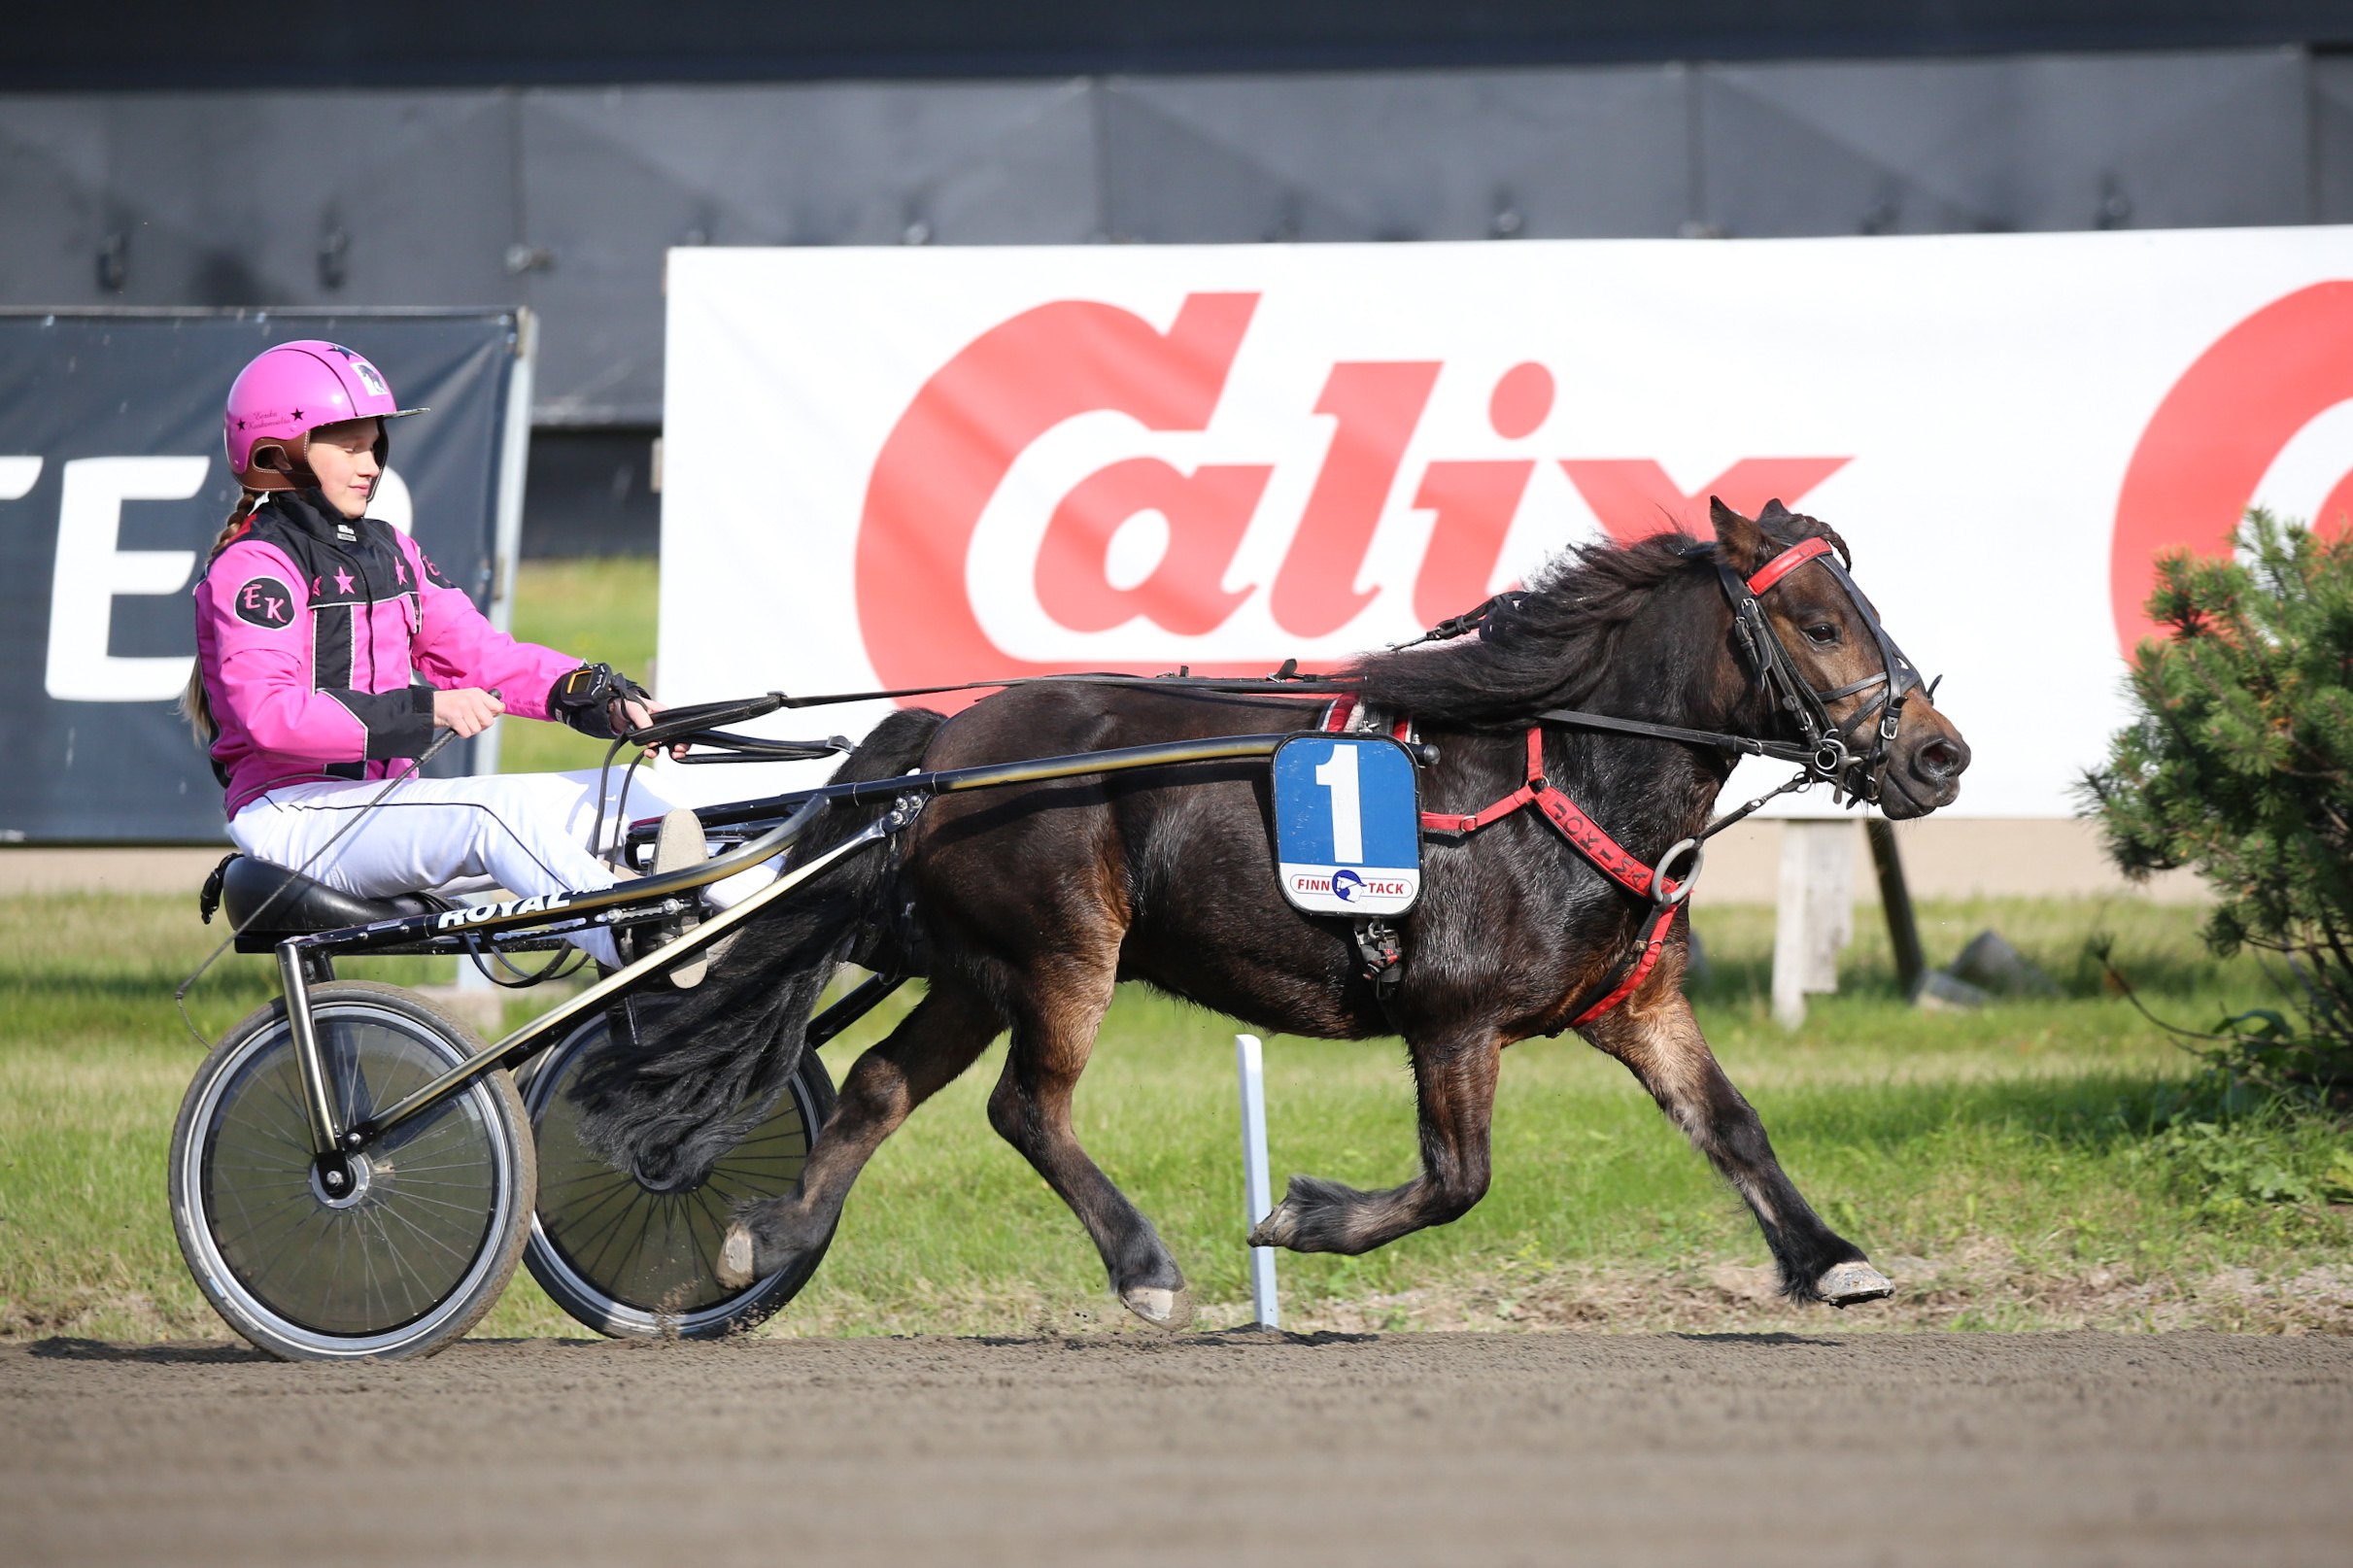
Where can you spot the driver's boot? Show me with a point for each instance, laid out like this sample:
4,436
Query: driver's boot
677,847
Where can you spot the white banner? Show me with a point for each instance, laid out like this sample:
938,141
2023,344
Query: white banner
896,467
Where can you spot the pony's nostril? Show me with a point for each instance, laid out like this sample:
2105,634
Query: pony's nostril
1939,758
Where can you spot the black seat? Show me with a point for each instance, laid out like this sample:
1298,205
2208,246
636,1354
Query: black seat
267,903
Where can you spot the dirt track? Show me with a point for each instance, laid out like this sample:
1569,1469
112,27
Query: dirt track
1463,1448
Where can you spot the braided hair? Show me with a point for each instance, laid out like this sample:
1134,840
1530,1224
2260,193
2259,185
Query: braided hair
196,704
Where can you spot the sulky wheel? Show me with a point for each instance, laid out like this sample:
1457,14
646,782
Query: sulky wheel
638,1260
432,1224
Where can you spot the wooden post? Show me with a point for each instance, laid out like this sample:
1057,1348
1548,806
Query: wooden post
1815,914
1896,898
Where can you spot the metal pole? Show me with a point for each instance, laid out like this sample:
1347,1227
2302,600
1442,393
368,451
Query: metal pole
1896,898
1258,1187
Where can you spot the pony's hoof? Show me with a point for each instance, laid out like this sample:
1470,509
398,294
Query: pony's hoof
734,1268
1844,1284
1276,1229
1162,1308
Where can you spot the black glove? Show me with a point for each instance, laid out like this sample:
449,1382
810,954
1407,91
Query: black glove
584,698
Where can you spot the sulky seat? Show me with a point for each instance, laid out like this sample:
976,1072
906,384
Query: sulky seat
267,903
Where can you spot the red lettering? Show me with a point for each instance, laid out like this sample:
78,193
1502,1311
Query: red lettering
2218,431
960,434
1634,498
1521,401
1475,503
1375,407
1207,511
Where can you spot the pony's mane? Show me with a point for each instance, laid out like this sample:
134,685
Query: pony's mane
1549,646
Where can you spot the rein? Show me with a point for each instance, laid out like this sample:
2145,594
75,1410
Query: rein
1826,755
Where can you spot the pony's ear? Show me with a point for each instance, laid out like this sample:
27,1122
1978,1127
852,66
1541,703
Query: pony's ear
1775,512
1744,544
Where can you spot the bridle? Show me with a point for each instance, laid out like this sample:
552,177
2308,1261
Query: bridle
1831,756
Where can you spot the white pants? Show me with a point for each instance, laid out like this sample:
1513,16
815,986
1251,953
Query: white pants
527,833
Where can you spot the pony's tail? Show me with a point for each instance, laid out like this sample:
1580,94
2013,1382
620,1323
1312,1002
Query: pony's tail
725,1049
196,704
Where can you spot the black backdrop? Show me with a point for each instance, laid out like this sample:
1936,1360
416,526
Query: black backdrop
96,752
323,43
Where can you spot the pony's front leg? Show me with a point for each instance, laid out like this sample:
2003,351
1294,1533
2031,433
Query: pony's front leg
1656,1038
1455,1078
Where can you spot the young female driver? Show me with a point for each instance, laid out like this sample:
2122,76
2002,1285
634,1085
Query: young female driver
330,650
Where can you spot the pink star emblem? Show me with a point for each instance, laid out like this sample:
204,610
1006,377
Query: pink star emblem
401,570
343,582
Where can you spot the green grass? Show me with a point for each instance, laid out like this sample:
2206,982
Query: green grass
2011,1167
2003,1154
601,611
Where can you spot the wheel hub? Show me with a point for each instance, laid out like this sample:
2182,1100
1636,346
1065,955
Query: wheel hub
341,1180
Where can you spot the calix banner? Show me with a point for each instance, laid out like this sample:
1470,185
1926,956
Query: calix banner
113,487
897,467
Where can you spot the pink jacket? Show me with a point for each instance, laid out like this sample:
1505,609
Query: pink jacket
312,633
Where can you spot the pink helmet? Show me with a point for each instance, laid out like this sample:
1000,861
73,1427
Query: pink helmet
291,389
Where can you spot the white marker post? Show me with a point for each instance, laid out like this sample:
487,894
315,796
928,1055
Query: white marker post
1258,1187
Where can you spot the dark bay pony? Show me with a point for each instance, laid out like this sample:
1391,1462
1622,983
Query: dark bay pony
1033,904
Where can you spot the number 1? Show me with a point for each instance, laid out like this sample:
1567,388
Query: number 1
1338,775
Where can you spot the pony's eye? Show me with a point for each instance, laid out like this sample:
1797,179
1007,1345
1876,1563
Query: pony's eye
1822,634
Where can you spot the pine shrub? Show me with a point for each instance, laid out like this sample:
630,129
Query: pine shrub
2238,762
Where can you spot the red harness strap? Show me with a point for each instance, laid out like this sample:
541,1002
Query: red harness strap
1654,942
1563,813
1788,562
1344,708
1587,836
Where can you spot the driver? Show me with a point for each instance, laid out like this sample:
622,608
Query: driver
330,650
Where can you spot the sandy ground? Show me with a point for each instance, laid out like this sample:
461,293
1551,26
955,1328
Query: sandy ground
1495,1448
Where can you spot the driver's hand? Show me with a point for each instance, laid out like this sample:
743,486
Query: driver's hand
468,709
631,715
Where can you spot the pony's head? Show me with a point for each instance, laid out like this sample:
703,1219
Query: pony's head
1826,666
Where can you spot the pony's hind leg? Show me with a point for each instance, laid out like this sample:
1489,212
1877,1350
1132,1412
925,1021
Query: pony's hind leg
1455,1082
1060,1005
1658,1039
933,1043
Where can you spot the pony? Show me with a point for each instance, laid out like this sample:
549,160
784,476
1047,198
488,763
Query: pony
1025,908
